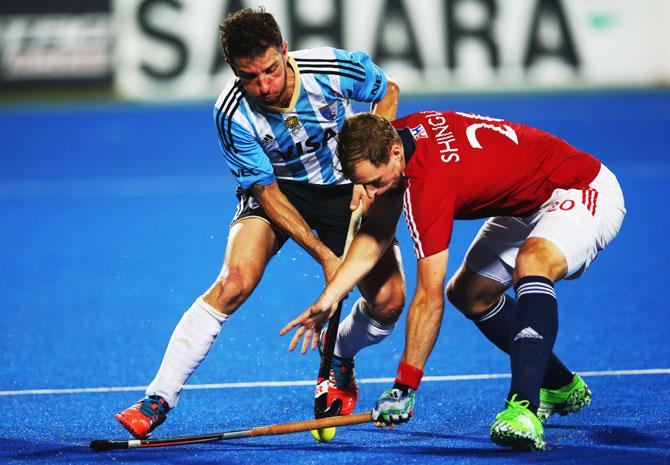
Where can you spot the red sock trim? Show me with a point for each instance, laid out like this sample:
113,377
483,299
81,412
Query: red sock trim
409,375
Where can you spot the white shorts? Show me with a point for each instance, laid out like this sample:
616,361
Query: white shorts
580,222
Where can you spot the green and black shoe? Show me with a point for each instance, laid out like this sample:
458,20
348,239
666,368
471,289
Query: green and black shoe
568,399
517,427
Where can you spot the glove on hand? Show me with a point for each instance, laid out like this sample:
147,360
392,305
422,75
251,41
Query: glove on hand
395,406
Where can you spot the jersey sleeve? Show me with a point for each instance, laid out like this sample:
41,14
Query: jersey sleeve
360,78
430,218
247,161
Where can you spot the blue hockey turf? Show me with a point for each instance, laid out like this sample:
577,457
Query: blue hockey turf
115,217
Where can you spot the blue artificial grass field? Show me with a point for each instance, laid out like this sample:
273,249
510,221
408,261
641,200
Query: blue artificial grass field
115,218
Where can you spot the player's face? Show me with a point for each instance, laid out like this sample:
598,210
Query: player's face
264,76
379,180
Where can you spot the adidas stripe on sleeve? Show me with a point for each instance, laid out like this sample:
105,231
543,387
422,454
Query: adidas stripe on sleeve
297,143
247,161
360,78
372,87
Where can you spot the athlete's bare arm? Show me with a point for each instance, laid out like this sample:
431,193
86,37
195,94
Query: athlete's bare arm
373,238
425,311
282,213
369,244
387,107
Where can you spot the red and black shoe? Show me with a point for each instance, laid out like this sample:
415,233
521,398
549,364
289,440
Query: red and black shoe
145,416
342,384
342,380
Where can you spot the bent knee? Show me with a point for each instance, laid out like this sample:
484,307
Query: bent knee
457,297
471,299
540,257
229,291
388,304
465,302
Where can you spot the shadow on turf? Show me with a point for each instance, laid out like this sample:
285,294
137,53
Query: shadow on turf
22,450
616,435
602,436
209,454
34,451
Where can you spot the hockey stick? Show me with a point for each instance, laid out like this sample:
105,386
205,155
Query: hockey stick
321,409
282,428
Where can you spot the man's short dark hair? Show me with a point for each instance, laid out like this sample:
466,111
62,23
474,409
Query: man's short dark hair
365,136
248,33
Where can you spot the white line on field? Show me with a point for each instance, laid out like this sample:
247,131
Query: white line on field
256,384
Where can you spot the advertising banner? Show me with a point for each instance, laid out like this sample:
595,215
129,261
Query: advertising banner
170,48
55,42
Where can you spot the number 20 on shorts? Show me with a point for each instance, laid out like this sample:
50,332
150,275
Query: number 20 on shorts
565,205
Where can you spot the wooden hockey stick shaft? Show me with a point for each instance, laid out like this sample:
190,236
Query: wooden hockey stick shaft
354,225
282,428
271,430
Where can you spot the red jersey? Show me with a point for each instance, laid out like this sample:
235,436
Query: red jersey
467,166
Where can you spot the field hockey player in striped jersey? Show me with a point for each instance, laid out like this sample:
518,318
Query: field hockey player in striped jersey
277,122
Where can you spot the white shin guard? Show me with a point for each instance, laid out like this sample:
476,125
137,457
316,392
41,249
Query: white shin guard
359,330
189,345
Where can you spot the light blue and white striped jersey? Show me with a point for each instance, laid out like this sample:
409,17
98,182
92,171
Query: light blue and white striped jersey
297,143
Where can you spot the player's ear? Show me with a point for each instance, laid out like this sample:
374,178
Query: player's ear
284,49
396,152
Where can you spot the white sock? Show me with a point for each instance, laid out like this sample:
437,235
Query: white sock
190,342
359,330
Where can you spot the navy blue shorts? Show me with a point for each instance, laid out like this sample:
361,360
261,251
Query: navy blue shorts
325,208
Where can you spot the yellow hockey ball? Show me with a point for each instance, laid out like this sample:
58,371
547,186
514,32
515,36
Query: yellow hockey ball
323,434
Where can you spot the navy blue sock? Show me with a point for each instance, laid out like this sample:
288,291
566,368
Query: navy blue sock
534,332
496,324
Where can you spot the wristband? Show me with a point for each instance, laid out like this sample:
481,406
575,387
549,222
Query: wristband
408,375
